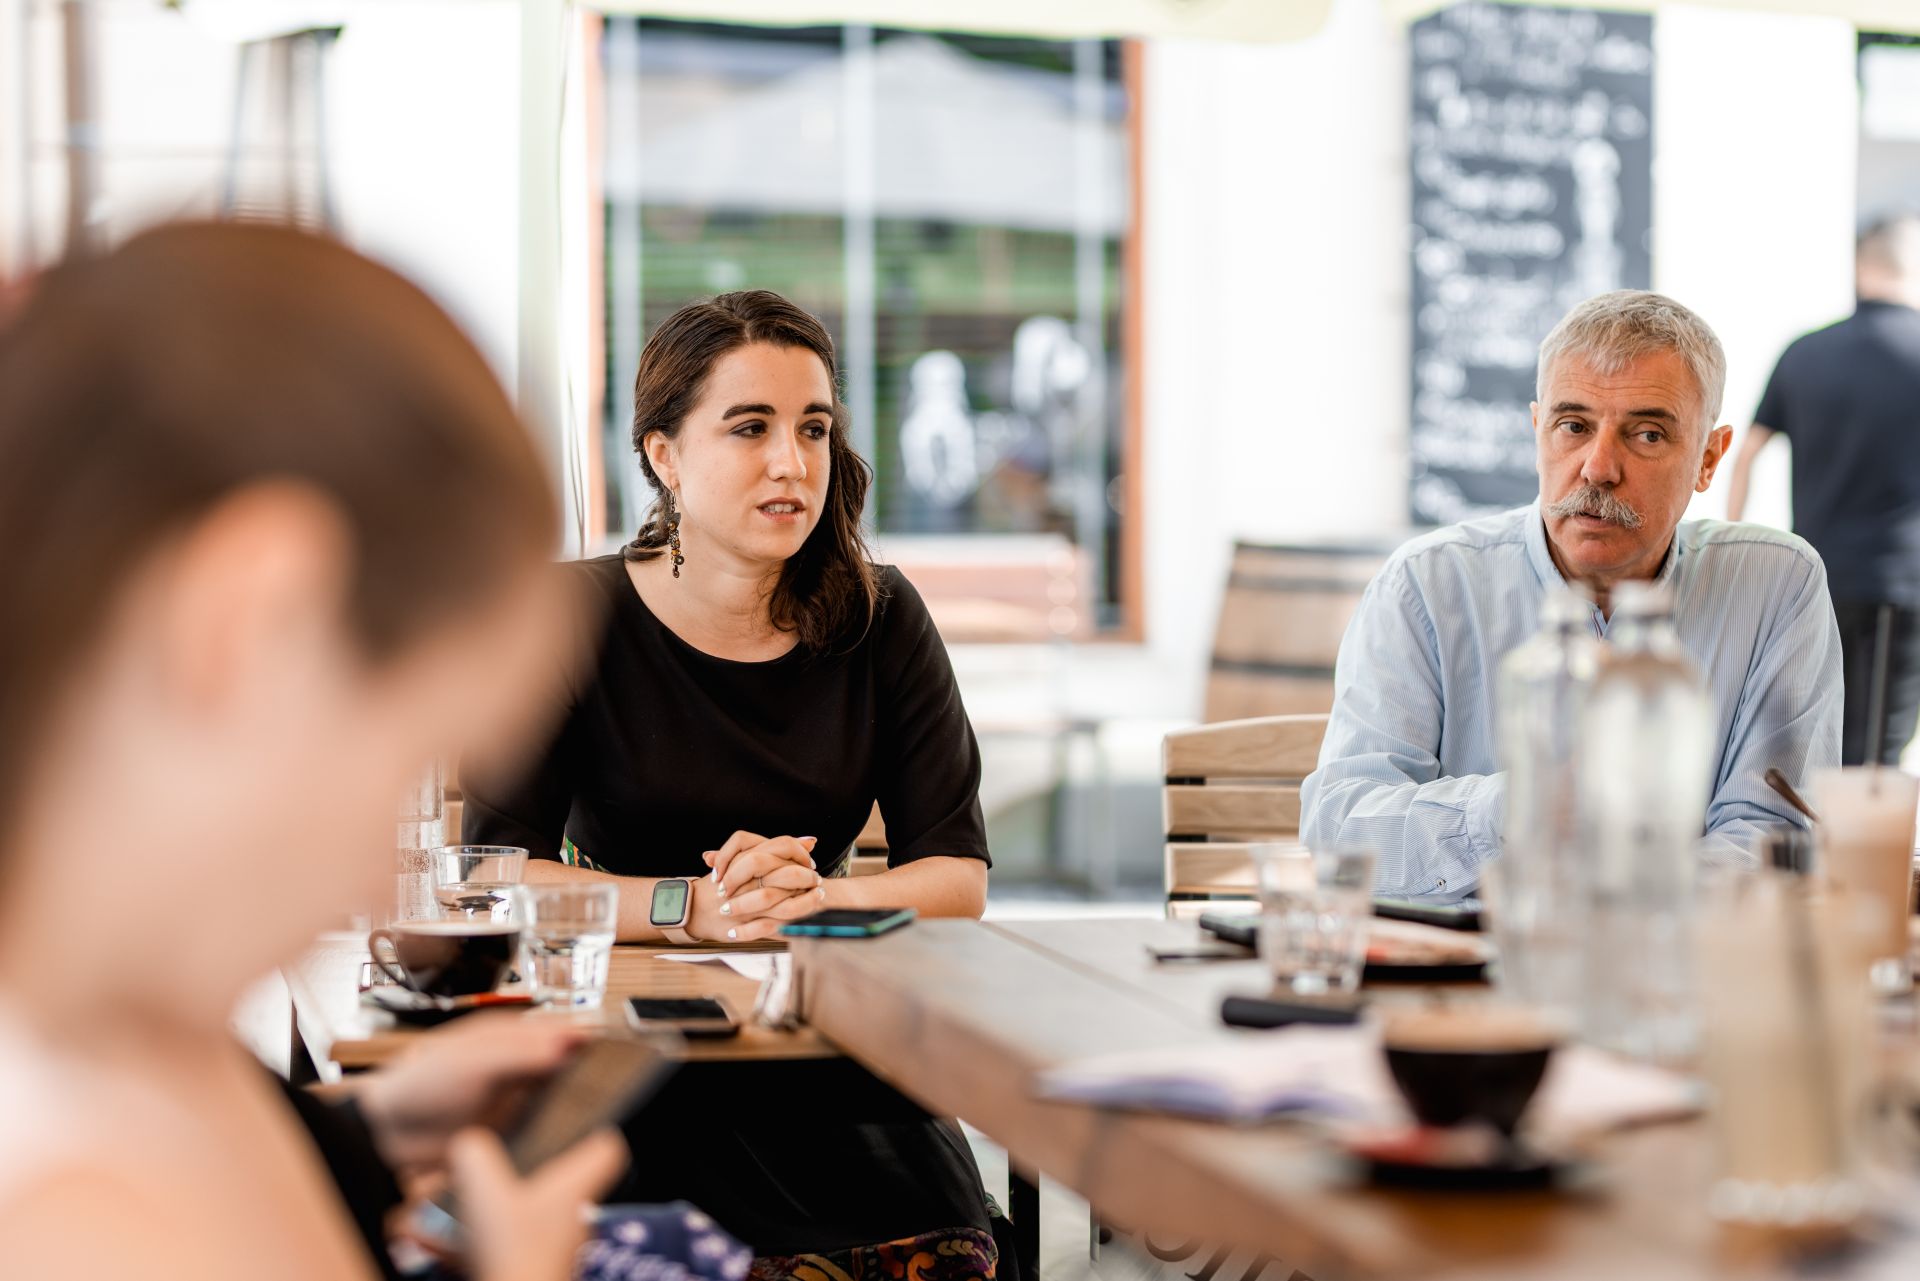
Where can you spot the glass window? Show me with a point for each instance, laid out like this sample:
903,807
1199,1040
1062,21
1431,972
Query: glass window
954,208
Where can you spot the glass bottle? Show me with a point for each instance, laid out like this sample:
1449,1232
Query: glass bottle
421,829
1646,759
1538,885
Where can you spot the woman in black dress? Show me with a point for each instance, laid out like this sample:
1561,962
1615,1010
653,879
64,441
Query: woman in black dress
756,684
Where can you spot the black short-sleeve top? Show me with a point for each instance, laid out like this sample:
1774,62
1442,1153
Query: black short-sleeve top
665,751
1848,396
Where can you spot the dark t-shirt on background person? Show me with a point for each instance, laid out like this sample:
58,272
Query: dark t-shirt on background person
1848,396
665,752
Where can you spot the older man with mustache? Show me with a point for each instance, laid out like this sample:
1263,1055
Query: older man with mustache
1629,389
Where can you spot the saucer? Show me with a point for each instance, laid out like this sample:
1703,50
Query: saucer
1465,1160
417,1009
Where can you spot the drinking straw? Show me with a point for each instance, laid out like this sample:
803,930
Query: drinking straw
1877,691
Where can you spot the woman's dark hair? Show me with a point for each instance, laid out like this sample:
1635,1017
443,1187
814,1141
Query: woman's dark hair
140,389
828,590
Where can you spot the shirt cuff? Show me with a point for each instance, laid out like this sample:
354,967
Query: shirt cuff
1482,817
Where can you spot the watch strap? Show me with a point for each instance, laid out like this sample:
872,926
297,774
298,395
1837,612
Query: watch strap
677,934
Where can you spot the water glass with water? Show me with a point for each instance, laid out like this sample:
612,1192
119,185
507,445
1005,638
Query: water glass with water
1314,910
475,882
566,940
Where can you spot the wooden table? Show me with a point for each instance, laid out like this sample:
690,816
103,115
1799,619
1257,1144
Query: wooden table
960,1015
336,1027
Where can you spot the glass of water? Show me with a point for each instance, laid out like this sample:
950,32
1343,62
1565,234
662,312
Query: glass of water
476,881
566,939
1314,909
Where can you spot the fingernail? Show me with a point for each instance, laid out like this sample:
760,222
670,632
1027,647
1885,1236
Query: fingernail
726,909
733,934
722,887
822,893
809,841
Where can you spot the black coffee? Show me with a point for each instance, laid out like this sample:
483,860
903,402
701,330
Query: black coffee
448,958
1466,1066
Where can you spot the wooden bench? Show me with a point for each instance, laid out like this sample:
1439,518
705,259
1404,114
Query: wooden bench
1228,786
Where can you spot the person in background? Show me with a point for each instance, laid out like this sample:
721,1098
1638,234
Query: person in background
757,685
270,537
1848,397
1629,388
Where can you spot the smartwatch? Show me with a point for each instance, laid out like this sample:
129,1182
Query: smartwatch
671,908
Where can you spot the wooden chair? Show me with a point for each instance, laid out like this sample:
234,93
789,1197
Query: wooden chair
1281,620
1229,785
870,847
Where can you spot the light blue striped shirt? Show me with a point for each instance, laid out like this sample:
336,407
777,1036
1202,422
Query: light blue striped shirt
1409,766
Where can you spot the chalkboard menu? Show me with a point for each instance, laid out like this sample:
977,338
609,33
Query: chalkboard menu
1531,153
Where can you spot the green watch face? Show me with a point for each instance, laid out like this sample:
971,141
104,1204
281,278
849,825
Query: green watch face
669,903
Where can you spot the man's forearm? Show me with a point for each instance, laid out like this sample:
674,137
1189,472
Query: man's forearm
1430,839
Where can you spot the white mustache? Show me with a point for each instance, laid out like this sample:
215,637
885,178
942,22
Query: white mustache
1591,500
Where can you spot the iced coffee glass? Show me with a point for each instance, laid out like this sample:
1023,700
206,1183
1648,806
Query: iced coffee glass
1866,845
1786,1047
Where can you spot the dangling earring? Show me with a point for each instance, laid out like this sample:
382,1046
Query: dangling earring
673,537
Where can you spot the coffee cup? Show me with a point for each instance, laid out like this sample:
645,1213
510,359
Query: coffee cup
1463,1065
446,958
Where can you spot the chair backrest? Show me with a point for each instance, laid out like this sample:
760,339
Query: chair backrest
1229,785
1281,620
869,847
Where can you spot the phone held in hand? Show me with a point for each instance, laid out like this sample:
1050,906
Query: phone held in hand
604,1081
849,922
690,1016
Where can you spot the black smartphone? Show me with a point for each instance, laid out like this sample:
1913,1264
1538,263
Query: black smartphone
600,1084
701,1016
1238,928
849,922
1258,1011
1464,915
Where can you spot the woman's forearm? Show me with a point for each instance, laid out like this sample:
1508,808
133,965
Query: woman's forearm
636,896
942,885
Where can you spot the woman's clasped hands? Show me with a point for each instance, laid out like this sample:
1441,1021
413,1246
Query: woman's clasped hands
758,884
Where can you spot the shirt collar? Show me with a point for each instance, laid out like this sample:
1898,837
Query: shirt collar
1549,573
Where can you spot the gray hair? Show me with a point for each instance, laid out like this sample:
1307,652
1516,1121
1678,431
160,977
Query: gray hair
1891,244
1610,330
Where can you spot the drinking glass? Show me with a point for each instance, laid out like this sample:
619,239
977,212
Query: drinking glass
1866,845
1786,1046
475,881
1314,909
566,939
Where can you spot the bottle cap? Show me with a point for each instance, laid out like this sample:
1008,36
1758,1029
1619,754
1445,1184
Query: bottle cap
1638,598
1565,605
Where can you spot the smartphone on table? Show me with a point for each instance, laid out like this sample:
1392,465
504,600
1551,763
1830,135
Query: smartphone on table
849,922
690,1016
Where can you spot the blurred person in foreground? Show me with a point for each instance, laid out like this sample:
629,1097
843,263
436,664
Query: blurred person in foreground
1848,397
1629,386
270,537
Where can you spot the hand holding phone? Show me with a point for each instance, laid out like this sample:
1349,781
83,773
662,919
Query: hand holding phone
530,1225
603,1081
